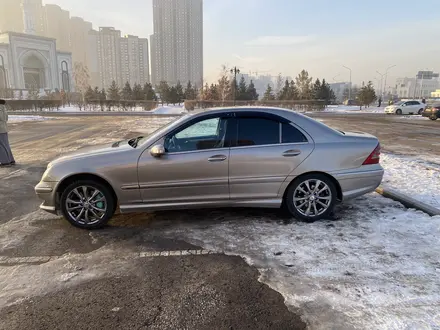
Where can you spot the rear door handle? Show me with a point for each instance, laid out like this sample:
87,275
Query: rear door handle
217,158
291,153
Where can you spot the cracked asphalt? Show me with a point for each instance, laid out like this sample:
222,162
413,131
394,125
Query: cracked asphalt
97,280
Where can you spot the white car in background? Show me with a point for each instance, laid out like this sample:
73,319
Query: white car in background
406,108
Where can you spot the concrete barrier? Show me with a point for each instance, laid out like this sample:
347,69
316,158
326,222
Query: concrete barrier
408,201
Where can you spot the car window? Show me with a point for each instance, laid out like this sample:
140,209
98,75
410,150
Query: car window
206,127
202,135
257,131
291,134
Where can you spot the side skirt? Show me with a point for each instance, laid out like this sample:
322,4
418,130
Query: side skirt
259,203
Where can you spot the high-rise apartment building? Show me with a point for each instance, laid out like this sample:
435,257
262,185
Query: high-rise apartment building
23,16
56,25
177,42
79,36
116,58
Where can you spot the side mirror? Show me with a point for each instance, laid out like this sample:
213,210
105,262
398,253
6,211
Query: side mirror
157,151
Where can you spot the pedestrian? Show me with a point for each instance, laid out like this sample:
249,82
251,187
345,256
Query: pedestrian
6,157
423,101
380,101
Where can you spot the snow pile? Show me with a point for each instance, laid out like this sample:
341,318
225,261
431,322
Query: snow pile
352,109
414,177
68,109
19,119
169,110
376,267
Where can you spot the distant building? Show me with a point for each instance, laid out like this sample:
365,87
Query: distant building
436,94
421,86
338,89
177,42
33,62
56,25
115,58
79,36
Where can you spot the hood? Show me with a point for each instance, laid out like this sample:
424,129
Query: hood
87,152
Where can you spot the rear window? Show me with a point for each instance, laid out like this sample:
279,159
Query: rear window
292,135
257,132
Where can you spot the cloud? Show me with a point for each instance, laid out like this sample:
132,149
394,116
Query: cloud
249,59
279,40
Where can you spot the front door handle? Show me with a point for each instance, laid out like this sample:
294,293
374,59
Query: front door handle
291,153
217,158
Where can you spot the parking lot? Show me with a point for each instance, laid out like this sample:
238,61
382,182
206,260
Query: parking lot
220,269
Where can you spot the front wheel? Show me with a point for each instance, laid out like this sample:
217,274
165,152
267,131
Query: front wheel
87,204
433,118
311,197
398,112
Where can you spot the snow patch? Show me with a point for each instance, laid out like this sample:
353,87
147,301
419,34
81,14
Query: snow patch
169,110
352,109
414,177
374,268
20,118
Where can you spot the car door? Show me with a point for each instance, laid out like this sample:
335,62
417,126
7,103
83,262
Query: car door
194,167
266,149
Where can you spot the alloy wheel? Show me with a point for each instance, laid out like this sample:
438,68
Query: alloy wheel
312,197
86,205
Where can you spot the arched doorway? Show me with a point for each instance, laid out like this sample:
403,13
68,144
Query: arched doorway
33,73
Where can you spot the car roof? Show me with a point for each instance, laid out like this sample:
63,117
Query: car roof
319,131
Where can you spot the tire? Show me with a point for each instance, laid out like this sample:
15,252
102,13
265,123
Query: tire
433,118
420,111
398,112
93,215
299,186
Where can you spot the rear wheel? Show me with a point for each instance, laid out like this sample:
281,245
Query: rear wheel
398,112
311,197
87,204
420,111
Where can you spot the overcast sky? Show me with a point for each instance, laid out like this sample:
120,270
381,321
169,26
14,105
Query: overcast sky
289,35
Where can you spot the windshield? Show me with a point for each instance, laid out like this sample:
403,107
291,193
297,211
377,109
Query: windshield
158,132
398,103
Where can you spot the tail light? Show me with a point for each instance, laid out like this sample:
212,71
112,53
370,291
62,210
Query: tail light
374,157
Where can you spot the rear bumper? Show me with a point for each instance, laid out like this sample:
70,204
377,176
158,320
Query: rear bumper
358,183
46,191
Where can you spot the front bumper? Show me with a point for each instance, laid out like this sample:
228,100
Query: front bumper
47,192
390,110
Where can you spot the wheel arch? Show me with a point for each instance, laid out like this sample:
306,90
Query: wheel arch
65,182
330,177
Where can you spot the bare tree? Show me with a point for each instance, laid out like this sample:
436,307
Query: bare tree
224,84
81,77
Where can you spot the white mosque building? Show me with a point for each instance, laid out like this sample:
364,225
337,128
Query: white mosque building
28,61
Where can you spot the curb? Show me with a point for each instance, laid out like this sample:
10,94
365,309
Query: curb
407,201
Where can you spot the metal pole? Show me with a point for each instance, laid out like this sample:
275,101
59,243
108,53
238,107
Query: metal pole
349,91
386,75
381,83
415,88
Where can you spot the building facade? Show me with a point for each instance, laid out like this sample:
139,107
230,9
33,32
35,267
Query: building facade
116,58
421,86
177,42
56,25
33,63
51,21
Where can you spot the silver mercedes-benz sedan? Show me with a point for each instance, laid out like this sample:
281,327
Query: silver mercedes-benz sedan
244,157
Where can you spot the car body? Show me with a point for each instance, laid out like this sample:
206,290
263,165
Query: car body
406,108
432,112
243,156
